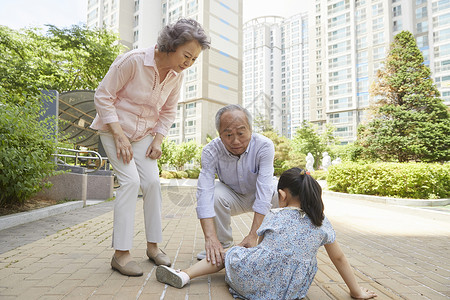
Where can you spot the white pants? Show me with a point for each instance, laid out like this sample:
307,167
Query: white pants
142,172
228,203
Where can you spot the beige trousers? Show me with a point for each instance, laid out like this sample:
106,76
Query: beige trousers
228,203
142,172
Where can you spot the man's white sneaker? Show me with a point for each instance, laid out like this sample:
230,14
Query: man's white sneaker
175,278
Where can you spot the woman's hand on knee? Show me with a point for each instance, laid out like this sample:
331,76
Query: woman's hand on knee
123,148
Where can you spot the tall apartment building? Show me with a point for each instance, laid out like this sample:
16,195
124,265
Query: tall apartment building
275,71
213,81
350,40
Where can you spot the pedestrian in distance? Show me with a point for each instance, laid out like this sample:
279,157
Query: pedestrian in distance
136,104
284,263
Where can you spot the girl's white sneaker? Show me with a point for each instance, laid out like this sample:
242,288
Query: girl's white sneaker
175,278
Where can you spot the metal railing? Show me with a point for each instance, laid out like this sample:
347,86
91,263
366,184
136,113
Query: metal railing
81,157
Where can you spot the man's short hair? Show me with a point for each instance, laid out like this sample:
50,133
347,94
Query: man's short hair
233,107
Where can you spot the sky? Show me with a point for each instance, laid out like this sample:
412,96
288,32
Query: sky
18,14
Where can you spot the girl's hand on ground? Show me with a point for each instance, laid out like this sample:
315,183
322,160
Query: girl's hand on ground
365,294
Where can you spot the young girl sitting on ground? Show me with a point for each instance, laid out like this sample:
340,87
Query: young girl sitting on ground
284,263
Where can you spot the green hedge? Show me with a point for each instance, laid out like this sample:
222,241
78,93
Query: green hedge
193,173
401,180
26,150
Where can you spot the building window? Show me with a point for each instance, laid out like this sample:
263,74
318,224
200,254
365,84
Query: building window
377,9
360,14
360,3
422,27
377,23
361,29
397,11
92,3
93,15
397,25
441,20
442,35
421,12
361,42
362,70
363,99
191,92
319,114
378,38
422,41
362,85
339,6
440,5
362,56
136,35
113,20
379,53
345,117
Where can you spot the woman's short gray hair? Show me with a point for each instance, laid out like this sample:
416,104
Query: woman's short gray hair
177,34
233,107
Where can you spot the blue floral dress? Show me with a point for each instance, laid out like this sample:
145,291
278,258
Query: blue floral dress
284,264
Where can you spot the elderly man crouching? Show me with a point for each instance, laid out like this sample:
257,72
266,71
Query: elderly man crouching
243,162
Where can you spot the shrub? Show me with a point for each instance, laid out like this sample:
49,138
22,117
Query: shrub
403,180
26,150
167,174
193,173
182,174
319,174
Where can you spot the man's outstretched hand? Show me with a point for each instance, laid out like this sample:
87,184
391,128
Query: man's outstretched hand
214,251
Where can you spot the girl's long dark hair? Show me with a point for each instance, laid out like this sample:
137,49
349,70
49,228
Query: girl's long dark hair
301,184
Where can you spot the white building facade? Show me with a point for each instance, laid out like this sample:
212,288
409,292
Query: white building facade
350,41
275,71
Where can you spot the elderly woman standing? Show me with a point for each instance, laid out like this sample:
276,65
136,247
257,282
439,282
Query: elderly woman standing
136,104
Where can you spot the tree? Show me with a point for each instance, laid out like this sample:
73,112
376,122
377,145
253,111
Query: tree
282,149
261,124
30,61
183,153
307,140
167,149
60,59
409,121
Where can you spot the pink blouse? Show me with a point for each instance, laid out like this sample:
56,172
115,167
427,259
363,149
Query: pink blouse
131,93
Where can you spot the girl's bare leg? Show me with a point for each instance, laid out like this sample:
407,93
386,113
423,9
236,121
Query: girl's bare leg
203,267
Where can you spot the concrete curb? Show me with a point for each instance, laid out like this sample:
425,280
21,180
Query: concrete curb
388,200
37,214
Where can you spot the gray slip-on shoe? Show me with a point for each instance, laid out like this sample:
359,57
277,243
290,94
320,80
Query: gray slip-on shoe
130,269
160,259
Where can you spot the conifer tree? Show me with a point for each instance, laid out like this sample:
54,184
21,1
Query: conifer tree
408,121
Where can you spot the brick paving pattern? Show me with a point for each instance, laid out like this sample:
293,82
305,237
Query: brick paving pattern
402,253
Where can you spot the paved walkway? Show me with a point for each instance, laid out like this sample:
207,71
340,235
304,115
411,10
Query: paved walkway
401,252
